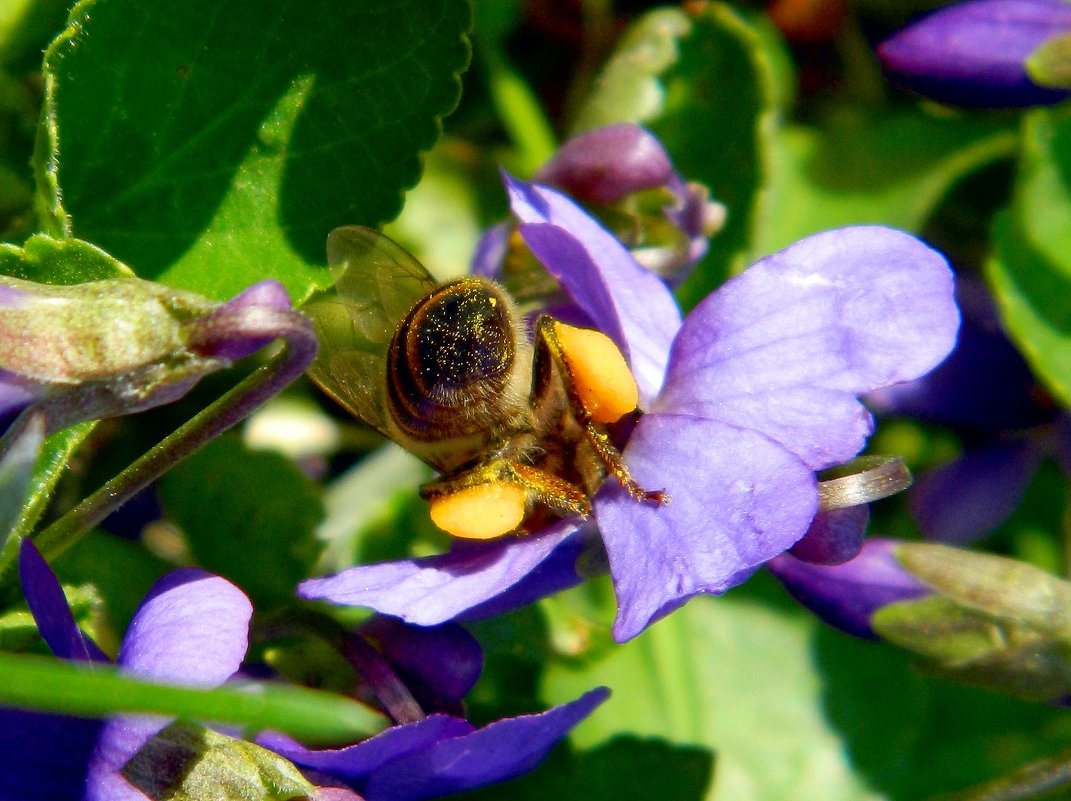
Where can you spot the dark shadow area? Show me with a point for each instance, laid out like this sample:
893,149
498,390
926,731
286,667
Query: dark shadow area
623,768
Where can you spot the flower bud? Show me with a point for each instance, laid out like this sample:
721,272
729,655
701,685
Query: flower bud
989,621
976,53
624,175
604,165
119,346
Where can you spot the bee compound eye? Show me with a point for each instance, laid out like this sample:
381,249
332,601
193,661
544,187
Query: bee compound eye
599,372
482,512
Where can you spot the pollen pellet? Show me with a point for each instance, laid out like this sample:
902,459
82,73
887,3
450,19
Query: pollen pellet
599,372
481,512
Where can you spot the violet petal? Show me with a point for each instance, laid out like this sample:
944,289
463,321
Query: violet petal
629,303
223,333
44,757
435,589
50,611
355,763
191,629
445,658
15,395
555,573
785,347
499,751
846,595
737,500
974,53
491,251
968,497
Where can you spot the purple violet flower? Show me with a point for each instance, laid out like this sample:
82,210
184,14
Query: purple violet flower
976,53
192,628
123,345
609,169
846,595
743,401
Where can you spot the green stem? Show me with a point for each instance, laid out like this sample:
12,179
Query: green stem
209,423
518,108
51,685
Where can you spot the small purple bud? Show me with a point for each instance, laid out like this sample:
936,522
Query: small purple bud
230,331
15,395
835,536
974,54
846,595
604,165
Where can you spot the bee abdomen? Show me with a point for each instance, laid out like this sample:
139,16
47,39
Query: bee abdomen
452,362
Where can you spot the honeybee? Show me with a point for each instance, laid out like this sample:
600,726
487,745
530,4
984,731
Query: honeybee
515,425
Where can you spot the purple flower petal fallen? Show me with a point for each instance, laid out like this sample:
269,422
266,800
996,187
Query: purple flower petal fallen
355,763
441,755
498,751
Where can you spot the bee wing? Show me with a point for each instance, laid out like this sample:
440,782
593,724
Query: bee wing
377,283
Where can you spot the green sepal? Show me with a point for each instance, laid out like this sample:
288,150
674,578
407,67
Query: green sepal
1050,64
992,621
188,762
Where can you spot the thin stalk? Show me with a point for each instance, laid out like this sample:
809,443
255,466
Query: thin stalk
97,690
208,424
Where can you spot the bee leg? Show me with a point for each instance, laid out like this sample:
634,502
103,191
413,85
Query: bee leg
608,454
539,486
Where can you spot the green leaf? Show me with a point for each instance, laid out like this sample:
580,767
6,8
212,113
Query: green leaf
187,762
793,710
704,84
891,168
26,27
248,515
122,570
1030,268
59,261
623,767
50,685
995,585
211,145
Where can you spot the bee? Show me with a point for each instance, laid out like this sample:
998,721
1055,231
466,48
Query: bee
514,424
